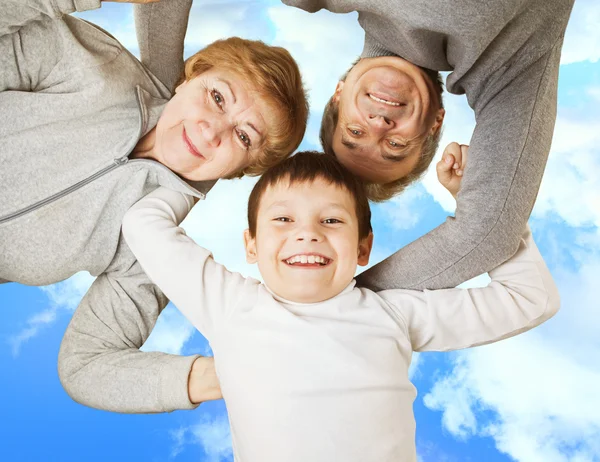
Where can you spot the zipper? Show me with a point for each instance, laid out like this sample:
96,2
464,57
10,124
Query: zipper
117,162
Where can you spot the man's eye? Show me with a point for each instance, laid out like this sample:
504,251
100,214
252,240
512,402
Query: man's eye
218,97
396,144
244,138
355,131
331,221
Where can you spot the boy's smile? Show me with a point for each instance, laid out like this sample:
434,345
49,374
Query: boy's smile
306,242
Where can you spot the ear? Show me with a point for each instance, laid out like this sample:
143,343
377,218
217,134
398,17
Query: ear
250,244
439,119
338,91
364,250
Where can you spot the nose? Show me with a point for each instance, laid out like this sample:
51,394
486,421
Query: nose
380,123
309,233
212,133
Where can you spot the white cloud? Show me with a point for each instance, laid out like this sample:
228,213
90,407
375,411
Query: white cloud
542,387
401,211
218,223
570,187
64,296
214,436
171,332
324,44
582,39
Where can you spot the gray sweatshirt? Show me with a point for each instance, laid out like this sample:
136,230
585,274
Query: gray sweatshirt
73,104
504,54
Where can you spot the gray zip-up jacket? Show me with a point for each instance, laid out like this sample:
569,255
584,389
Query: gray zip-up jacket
504,55
73,104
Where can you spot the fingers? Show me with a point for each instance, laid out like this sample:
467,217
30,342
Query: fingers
459,154
444,168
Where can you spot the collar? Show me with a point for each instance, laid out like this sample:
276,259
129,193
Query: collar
348,289
373,49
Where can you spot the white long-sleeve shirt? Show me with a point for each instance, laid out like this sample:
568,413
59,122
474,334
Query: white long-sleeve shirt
326,381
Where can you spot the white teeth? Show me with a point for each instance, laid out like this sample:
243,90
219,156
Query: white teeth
310,259
390,103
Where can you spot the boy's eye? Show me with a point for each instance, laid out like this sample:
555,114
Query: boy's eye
331,221
217,97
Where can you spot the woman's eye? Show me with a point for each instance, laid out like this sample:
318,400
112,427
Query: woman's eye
283,219
331,221
355,132
218,98
244,138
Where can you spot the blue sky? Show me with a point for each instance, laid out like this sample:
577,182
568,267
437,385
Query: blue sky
531,398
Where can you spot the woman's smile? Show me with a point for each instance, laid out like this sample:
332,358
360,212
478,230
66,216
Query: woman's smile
190,146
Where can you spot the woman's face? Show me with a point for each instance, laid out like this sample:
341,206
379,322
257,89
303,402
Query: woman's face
213,126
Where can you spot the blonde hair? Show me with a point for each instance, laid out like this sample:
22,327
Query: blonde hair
274,75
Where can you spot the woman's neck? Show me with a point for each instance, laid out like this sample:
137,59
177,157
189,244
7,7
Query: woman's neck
145,146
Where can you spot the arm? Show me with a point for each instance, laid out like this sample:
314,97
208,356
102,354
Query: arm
30,42
520,296
100,364
160,29
507,156
204,291
18,13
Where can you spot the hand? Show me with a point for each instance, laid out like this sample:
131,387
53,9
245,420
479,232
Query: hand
203,384
451,167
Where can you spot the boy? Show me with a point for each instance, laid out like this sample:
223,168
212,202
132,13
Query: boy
313,368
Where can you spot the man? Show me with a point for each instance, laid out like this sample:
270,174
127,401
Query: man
383,121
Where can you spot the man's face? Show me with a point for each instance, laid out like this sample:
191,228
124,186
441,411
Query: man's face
306,242
384,118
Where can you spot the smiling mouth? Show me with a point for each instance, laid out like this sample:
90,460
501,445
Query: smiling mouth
191,146
384,101
308,261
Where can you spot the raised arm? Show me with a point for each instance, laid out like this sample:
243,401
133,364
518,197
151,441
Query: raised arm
204,291
160,29
30,41
521,295
18,13
507,157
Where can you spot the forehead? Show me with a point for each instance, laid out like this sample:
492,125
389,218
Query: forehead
305,195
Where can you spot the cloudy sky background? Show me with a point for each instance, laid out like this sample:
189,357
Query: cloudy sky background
532,398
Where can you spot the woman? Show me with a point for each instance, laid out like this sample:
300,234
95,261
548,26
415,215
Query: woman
86,130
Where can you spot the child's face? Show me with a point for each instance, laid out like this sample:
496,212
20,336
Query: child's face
306,242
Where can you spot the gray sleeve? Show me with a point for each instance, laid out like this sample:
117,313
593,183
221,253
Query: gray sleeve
100,364
160,29
30,41
18,13
507,157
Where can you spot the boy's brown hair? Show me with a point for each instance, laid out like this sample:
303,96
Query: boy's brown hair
305,167
274,75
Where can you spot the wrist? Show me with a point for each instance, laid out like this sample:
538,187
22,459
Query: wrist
203,383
